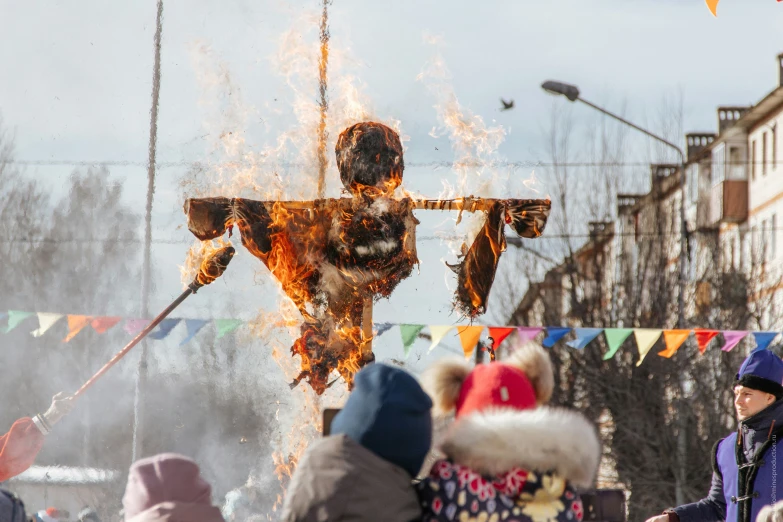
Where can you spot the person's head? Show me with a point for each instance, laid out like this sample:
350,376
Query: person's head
388,413
11,508
522,382
758,383
88,515
168,478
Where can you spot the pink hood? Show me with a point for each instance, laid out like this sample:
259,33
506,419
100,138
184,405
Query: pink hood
178,512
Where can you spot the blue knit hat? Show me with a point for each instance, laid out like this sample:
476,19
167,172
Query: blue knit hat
389,414
763,371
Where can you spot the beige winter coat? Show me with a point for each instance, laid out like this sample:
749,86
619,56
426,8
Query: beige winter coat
339,480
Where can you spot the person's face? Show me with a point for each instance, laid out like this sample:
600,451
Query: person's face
749,402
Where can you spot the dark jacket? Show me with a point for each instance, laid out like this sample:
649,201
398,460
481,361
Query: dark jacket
512,465
340,480
755,434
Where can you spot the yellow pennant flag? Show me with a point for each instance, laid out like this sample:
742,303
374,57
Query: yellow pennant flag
645,339
75,325
673,340
438,332
45,321
469,335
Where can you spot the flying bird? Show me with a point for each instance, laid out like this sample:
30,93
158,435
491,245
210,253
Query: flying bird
507,104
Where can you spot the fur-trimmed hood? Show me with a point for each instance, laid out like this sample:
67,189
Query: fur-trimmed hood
542,439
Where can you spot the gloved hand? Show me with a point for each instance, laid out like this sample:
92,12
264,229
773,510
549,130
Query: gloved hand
61,406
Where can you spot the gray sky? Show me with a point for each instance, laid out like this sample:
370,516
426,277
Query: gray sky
77,76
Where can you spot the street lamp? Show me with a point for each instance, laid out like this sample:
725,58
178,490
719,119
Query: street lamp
572,93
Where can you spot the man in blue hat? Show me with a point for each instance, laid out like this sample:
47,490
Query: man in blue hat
744,477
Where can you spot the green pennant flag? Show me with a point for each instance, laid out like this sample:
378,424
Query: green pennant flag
615,337
15,317
409,333
226,326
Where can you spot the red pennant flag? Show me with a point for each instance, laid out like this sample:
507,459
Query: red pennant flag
103,324
499,334
703,337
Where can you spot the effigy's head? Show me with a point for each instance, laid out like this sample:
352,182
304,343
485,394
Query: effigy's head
369,158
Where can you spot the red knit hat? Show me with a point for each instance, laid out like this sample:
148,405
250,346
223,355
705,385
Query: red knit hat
521,382
499,385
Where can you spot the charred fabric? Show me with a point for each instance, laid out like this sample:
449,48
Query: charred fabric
333,256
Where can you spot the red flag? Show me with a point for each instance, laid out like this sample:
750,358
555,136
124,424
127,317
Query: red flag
499,334
703,337
103,324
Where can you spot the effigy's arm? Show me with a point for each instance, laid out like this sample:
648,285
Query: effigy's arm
476,271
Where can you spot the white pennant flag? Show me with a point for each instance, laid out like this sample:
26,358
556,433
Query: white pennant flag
438,333
45,321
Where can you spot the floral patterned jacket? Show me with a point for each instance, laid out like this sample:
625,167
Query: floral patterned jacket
454,492
484,477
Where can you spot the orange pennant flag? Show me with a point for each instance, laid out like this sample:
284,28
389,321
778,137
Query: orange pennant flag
102,324
673,340
712,5
469,335
75,325
703,337
499,334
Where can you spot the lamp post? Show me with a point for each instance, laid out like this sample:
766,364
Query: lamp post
571,92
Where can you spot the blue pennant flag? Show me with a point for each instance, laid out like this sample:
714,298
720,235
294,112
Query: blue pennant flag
763,339
554,334
193,326
382,328
583,337
164,328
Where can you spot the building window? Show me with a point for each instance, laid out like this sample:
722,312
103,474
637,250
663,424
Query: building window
764,154
753,160
773,232
718,172
774,147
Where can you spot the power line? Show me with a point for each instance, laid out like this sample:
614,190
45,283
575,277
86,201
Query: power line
416,164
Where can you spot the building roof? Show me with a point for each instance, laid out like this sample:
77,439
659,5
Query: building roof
65,476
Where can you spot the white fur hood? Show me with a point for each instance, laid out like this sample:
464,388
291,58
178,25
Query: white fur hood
543,439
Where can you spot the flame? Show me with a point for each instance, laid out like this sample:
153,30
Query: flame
197,257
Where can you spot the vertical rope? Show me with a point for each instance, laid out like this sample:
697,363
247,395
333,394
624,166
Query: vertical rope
141,376
323,61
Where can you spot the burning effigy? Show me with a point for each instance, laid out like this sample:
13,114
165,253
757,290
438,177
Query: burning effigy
335,256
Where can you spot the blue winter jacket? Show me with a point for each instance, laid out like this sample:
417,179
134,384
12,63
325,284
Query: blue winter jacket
758,430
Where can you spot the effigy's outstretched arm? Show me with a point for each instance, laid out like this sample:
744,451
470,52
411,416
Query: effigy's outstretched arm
476,271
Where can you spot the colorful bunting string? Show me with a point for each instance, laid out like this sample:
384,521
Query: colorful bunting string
469,335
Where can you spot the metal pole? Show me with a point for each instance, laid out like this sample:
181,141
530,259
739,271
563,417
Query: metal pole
141,376
679,492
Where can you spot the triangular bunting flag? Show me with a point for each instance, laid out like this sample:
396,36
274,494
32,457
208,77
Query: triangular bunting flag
583,337
438,332
164,328
45,321
703,337
764,339
408,332
75,325
103,324
498,334
382,328
554,334
193,326
673,340
615,337
528,333
15,317
732,337
226,326
645,339
469,336
134,326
